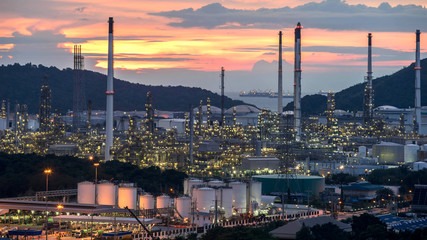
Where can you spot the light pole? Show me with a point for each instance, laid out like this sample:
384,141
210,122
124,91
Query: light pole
47,171
96,165
60,207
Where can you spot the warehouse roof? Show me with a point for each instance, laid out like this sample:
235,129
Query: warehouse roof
290,230
290,176
362,186
52,206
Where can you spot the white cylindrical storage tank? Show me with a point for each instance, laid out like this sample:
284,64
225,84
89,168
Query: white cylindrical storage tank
107,193
146,201
189,184
424,147
419,166
410,153
224,196
256,189
183,206
205,198
216,183
163,201
239,196
362,151
86,193
127,197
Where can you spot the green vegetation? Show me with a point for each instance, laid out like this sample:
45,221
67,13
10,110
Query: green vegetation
400,176
395,90
22,84
242,232
364,227
22,174
340,179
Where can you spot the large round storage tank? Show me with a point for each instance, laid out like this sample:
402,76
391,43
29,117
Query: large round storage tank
146,201
163,201
107,193
224,196
410,153
86,193
419,166
127,197
205,198
239,196
183,206
189,184
388,152
256,190
216,183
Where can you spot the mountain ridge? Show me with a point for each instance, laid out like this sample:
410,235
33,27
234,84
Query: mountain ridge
397,89
22,83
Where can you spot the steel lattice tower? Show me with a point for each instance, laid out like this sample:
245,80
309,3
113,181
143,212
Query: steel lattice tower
79,99
45,106
149,113
368,97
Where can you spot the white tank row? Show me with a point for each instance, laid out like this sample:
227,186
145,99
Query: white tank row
237,196
123,195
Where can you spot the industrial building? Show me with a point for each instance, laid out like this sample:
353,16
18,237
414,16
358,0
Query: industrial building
280,183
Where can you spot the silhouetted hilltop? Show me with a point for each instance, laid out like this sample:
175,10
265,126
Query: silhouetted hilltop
21,83
396,90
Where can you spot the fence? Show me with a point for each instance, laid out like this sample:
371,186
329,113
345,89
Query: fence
171,234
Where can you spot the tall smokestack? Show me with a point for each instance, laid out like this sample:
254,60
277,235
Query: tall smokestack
110,93
297,83
280,81
417,117
368,99
222,121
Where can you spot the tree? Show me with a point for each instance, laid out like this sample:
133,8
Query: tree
328,231
304,233
385,193
366,226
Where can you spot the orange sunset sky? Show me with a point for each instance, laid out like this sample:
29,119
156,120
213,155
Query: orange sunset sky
166,42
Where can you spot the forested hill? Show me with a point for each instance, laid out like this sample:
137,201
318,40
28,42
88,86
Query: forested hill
21,84
396,90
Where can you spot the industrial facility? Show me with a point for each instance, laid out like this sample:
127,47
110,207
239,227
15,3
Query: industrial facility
245,165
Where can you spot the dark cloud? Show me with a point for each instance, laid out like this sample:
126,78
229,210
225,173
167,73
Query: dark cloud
329,14
80,9
41,48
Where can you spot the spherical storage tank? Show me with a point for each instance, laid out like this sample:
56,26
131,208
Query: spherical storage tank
183,206
205,198
189,184
239,196
127,197
224,196
256,189
410,153
216,183
86,193
163,201
146,201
